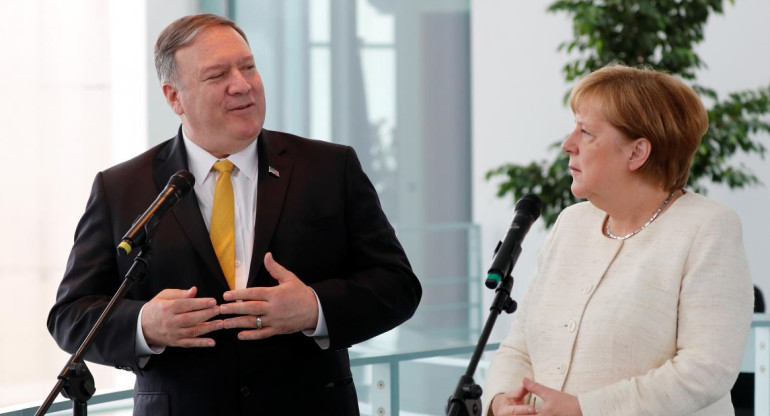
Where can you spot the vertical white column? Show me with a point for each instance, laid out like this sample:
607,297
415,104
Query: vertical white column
128,78
761,370
381,390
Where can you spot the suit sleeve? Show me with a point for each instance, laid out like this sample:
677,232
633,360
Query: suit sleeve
714,315
378,290
91,278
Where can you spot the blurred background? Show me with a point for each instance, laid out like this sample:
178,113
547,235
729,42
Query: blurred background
432,94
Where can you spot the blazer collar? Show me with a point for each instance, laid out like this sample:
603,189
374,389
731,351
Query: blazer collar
275,168
171,159
274,174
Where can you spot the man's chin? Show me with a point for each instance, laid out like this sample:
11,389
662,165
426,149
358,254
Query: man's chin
247,133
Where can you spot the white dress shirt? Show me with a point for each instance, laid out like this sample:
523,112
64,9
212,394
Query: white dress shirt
244,179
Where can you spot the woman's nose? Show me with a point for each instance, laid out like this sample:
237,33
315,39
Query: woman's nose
568,145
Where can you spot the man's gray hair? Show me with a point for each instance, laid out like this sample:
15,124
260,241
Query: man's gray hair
181,33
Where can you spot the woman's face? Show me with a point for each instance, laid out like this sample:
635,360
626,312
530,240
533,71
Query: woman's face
598,153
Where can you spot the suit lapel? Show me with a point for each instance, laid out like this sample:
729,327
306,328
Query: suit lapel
187,213
275,168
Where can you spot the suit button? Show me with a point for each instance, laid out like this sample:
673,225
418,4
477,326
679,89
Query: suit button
588,288
245,391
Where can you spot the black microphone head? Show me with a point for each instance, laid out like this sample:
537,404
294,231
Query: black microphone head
183,181
529,204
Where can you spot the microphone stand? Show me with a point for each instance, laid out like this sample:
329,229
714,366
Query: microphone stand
75,379
466,400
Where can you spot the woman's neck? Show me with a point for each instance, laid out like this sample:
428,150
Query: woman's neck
634,207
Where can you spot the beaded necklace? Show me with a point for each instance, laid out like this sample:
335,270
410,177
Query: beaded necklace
633,233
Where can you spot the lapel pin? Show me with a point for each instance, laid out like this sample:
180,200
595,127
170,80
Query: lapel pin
273,171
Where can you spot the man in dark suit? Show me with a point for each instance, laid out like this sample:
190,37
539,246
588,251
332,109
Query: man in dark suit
314,265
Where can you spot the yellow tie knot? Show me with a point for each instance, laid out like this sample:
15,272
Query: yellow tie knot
224,165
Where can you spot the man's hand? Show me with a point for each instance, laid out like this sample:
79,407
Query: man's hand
177,318
284,309
555,403
512,403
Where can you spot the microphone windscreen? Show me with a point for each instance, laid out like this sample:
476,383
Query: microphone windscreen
183,181
530,204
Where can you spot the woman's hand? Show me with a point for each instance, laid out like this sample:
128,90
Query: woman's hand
555,403
511,403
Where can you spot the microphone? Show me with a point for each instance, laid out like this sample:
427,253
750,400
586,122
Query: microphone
178,186
526,211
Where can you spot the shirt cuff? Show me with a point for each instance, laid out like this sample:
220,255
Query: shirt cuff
321,333
141,347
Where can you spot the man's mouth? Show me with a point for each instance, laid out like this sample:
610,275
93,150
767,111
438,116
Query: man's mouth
242,107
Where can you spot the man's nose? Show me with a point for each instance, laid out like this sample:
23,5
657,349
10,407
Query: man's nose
238,84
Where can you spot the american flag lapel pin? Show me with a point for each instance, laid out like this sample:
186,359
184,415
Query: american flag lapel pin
273,171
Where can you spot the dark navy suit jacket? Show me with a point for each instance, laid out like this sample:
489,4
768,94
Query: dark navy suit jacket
320,218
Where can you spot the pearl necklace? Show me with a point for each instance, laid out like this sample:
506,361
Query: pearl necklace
633,233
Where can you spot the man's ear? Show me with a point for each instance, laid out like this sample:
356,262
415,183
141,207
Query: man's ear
172,97
640,152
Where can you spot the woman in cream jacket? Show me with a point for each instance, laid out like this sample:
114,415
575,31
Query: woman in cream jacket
642,299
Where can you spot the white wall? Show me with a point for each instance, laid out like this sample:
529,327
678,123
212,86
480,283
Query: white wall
162,123
736,51
517,111
75,82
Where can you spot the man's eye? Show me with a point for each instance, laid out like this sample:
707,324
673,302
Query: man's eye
216,76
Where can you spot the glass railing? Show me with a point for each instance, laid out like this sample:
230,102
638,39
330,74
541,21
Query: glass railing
426,352
413,369
417,373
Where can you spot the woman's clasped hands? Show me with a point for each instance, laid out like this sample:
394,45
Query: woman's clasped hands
555,403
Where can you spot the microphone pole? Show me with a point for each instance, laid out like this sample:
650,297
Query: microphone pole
75,380
466,399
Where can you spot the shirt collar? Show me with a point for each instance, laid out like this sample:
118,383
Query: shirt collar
201,161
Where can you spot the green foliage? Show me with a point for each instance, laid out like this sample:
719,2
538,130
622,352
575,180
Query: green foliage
550,180
732,122
660,34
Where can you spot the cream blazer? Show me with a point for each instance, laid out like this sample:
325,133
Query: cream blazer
653,325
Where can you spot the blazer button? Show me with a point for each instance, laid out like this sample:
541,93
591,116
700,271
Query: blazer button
587,288
571,326
245,391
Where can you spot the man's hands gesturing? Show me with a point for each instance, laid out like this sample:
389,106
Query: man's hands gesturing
266,311
176,318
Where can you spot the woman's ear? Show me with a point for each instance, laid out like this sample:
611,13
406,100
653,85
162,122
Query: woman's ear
640,152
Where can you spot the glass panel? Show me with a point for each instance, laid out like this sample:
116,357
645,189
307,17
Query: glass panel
374,26
318,11
379,75
320,93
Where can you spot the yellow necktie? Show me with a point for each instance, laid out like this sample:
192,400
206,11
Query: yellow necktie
222,229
